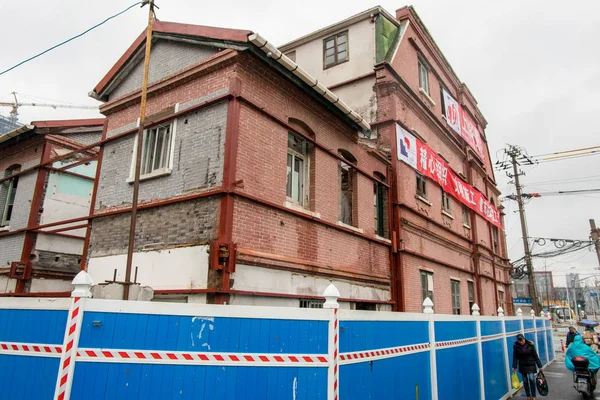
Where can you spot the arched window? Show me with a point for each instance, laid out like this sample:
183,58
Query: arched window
347,179
380,200
298,176
8,191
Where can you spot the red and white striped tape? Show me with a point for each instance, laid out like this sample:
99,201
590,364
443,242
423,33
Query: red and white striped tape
30,349
67,362
492,337
455,343
184,357
361,356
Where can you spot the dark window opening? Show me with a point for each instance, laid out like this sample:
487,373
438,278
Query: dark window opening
365,306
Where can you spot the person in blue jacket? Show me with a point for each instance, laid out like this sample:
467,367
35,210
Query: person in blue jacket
579,349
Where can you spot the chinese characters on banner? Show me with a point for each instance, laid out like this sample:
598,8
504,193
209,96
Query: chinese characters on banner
462,124
422,158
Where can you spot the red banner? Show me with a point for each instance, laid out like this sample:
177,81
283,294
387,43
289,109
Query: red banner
461,122
421,157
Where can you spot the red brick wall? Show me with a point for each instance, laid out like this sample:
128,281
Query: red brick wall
261,165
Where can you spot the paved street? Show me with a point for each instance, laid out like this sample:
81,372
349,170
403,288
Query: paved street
560,379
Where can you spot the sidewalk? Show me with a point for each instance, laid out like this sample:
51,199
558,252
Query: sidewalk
560,383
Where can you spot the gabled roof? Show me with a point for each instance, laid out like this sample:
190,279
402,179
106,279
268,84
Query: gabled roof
173,29
228,38
53,125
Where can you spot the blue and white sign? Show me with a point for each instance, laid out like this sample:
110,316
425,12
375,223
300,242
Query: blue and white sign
523,301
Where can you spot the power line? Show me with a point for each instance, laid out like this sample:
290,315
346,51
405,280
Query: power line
566,151
68,40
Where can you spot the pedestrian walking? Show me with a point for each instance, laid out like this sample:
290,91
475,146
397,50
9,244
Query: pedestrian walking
525,357
571,335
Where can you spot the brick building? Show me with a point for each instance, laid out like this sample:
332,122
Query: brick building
45,180
450,245
256,186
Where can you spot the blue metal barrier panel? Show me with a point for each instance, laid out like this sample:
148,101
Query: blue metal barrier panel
541,347
495,372
115,381
540,323
528,323
373,335
27,377
202,334
404,377
491,328
458,372
33,326
550,342
454,330
512,326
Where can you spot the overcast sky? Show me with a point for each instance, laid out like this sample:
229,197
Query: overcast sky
533,66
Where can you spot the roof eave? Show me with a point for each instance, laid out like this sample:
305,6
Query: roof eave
271,51
16,132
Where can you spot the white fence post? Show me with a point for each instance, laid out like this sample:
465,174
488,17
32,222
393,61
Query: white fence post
476,313
331,295
535,341
428,309
64,381
507,365
520,315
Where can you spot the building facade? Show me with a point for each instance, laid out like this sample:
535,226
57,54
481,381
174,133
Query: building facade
255,187
449,246
44,182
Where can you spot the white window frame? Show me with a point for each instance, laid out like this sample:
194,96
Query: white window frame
166,169
423,77
311,303
303,189
429,276
466,217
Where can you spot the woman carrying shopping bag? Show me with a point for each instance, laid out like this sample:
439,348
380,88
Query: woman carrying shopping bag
525,357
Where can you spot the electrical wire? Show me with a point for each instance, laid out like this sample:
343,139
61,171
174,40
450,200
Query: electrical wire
566,151
68,40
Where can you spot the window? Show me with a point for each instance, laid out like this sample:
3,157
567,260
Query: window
423,77
471,289
8,191
347,188
446,202
156,152
291,55
335,49
304,303
465,216
501,300
380,203
297,162
421,186
365,306
426,285
496,245
455,288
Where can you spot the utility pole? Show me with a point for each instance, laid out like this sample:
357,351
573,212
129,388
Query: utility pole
596,238
138,154
514,152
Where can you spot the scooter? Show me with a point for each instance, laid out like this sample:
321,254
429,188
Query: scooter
584,379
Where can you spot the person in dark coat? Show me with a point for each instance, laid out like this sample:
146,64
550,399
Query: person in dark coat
571,335
525,357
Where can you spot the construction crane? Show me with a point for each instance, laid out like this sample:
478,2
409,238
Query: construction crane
14,112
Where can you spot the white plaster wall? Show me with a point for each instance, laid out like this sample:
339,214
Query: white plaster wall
361,97
50,285
66,200
259,279
361,38
178,268
58,244
240,300
7,285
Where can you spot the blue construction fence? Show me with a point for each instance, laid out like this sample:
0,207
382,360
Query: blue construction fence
107,349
